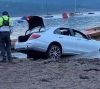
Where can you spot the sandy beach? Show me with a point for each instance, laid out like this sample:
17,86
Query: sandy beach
50,74
64,73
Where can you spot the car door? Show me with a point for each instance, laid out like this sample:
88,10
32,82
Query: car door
67,42
83,43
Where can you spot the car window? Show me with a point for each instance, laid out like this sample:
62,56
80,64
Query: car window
62,31
79,34
57,31
65,31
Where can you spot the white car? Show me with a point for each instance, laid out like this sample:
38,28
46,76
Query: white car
53,42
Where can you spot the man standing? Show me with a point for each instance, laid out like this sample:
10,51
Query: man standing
5,42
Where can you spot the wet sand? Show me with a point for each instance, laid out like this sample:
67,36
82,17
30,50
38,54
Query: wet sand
61,73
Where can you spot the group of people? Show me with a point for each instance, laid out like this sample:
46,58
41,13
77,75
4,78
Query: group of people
6,28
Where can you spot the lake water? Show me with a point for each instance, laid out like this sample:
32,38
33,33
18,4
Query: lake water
80,22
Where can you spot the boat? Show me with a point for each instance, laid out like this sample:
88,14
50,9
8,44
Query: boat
64,15
20,21
90,13
93,32
76,13
48,15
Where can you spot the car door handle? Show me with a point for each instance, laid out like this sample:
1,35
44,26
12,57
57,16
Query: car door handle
78,39
60,37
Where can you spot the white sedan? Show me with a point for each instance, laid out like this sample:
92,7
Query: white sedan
53,42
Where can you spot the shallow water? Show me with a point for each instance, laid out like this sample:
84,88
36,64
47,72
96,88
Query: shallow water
19,55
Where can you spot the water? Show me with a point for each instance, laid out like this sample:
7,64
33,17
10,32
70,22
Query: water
81,23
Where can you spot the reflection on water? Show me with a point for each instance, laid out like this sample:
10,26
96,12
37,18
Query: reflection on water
19,55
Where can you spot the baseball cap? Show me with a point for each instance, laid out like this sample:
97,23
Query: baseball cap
5,13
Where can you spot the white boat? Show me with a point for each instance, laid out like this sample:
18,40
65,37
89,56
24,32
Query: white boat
75,11
48,15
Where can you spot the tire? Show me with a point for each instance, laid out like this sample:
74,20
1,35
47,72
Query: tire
54,51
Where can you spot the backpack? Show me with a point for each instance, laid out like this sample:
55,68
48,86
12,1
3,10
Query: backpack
5,22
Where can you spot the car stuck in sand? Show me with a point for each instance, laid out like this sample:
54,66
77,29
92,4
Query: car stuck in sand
53,42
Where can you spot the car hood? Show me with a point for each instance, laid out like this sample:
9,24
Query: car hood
34,21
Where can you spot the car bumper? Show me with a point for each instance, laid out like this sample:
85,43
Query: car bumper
28,51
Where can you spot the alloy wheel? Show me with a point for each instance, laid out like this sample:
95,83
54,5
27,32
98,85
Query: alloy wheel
54,51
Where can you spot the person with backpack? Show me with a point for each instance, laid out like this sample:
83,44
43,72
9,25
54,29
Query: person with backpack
6,28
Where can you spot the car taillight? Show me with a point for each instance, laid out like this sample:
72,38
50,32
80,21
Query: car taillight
34,36
27,18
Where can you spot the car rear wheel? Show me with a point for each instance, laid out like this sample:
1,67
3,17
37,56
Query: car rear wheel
54,51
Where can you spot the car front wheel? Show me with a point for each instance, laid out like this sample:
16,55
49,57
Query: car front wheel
54,51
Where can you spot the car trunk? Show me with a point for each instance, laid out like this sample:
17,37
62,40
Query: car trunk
23,38
33,21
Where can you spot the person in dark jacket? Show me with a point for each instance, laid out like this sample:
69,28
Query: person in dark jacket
6,28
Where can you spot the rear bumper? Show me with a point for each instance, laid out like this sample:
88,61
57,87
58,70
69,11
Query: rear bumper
28,51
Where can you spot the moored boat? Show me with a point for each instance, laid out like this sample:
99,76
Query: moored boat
93,32
48,16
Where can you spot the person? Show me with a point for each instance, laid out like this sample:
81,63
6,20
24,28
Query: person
6,28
